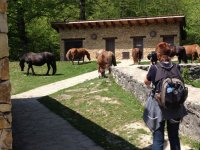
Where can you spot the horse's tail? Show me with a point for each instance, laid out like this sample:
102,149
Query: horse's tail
68,55
184,55
114,60
54,65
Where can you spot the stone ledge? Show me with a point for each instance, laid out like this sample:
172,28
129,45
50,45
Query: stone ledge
131,79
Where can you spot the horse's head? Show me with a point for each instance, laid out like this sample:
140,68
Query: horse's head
88,55
102,71
21,63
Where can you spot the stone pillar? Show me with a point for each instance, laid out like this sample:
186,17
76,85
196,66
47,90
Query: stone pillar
5,87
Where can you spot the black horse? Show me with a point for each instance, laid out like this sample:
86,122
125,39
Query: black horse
180,52
38,59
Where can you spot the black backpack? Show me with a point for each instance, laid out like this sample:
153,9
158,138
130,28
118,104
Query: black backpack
170,90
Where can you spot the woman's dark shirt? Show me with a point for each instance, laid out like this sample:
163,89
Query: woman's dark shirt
167,113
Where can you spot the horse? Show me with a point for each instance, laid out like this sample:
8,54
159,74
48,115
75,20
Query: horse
152,57
38,59
137,55
105,60
192,51
99,52
180,52
77,53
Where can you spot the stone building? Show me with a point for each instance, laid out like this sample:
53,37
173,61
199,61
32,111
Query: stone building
120,35
5,87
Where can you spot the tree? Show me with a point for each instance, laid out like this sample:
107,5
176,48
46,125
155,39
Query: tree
82,10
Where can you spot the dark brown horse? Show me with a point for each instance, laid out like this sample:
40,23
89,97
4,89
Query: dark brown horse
105,60
77,53
137,55
192,51
38,59
180,52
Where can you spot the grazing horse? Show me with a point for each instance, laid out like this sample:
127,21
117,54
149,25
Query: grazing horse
180,52
77,53
152,57
137,55
38,59
192,51
105,60
99,52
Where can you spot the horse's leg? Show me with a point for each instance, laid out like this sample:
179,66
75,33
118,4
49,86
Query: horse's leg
31,66
28,70
179,59
78,61
48,66
83,58
73,60
99,71
192,58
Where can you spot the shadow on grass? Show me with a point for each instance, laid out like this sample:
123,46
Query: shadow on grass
57,74
101,136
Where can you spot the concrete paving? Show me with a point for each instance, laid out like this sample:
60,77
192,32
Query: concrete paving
37,128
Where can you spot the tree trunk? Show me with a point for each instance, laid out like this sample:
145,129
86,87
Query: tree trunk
82,10
22,29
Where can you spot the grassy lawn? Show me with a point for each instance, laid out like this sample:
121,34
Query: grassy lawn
21,82
100,109
106,113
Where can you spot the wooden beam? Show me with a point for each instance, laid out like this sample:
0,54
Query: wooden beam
105,24
76,26
113,24
98,25
121,23
130,23
90,25
165,20
146,22
83,25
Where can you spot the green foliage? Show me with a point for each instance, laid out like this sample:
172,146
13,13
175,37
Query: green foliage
185,75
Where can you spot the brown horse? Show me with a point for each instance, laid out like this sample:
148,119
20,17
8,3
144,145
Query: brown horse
105,60
38,59
77,53
99,52
137,55
180,52
192,51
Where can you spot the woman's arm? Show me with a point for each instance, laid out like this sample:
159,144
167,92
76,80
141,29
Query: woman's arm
147,82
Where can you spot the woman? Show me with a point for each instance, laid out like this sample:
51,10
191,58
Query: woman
170,116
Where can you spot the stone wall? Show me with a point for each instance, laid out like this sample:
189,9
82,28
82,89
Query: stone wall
5,86
132,81
193,71
124,37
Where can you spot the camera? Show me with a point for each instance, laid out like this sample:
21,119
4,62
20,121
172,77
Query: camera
152,57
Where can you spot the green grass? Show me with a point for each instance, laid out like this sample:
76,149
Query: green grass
103,111
100,109
21,82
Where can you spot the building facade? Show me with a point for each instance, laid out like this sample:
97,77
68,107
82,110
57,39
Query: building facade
120,35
